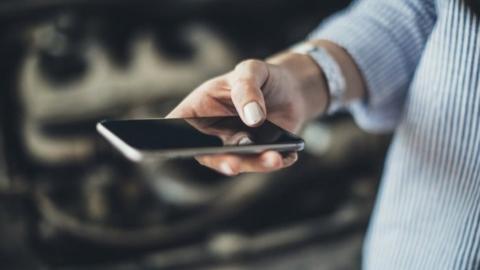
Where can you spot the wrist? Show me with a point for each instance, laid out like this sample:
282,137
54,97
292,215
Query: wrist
308,81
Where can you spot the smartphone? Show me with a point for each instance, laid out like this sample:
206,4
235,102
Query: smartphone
144,139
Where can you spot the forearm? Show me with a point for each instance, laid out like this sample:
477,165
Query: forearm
311,80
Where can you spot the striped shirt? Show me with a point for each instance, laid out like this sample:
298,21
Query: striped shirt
421,63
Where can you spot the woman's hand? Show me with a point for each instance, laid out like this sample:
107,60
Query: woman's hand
288,90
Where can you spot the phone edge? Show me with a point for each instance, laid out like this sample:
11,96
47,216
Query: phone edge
223,150
136,155
128,151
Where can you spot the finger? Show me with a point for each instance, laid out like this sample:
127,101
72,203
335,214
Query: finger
211,98
247,97
184,109
238,138
225,164
235,164
181,112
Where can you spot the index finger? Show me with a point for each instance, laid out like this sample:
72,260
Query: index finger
230,164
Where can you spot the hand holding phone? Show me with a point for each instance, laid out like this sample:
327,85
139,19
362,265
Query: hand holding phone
287,89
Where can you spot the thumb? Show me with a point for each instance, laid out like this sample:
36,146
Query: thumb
246,82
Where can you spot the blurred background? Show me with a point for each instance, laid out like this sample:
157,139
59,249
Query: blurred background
69,201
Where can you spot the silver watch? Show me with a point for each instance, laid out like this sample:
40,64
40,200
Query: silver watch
335,79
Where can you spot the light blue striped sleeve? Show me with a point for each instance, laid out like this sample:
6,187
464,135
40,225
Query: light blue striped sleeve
386,40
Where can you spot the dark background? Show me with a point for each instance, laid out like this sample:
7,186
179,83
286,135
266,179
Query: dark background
69,201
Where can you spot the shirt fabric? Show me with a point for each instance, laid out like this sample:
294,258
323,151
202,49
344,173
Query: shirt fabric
421,63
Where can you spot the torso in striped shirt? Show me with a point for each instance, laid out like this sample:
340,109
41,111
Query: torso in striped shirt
428,211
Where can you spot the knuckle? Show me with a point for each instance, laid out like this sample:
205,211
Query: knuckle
250,64
236,169
234,163
204,161
212,84
201,161
242,84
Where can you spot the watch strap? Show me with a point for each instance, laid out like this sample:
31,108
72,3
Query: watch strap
333,73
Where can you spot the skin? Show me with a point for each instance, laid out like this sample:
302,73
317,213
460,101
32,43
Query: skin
290,90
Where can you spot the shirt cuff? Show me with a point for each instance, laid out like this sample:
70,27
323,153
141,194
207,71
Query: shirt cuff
382,111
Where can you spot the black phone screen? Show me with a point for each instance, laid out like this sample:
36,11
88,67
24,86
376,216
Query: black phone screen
169,134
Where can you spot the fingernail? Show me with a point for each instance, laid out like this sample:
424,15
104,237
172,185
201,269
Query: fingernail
226,169
245,141
269,163
253,113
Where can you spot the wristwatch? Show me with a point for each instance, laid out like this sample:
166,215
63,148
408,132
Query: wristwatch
335,79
